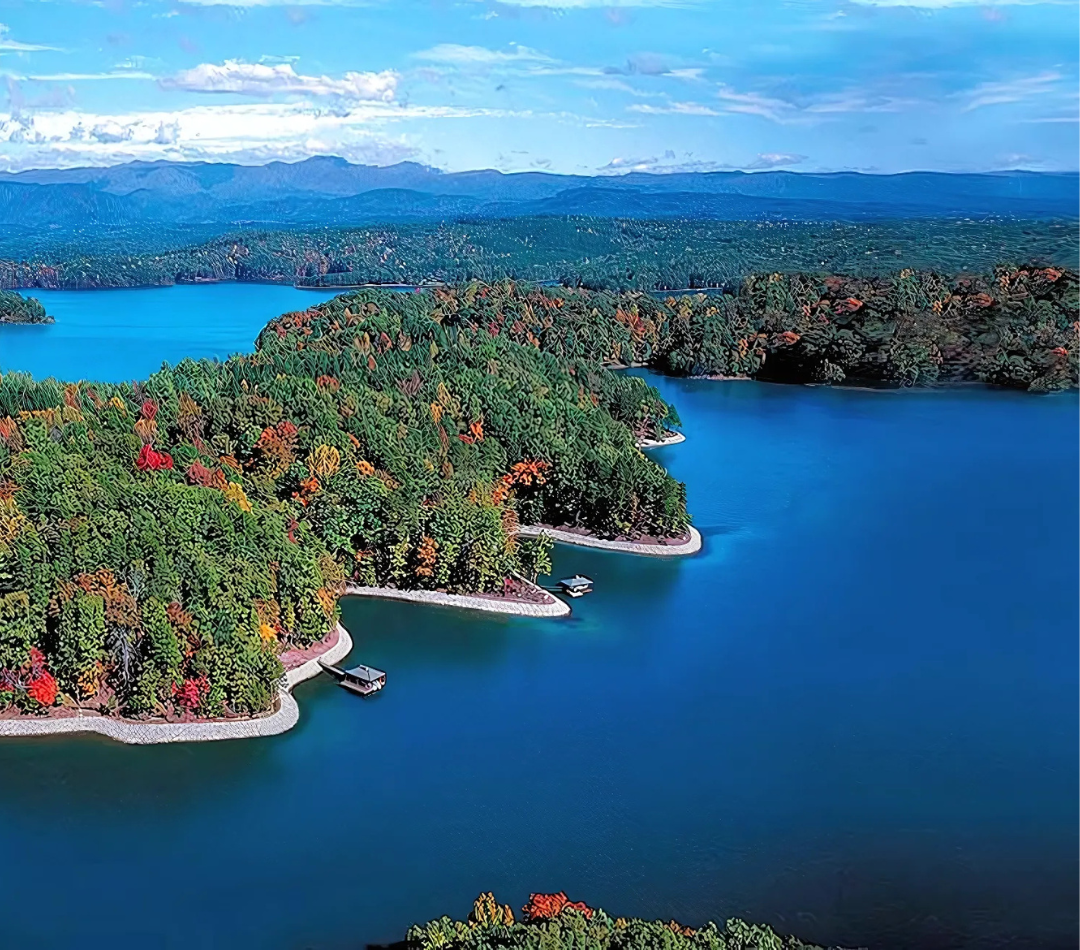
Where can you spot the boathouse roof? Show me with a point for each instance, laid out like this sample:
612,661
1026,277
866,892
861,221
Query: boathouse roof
578,580
366,674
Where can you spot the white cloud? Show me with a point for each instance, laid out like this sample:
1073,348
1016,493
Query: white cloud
552,4
617,85
264,80
1054,119
775,160
753,103
945,4
670,164
674,108
1010,90
86,77
245,133
602,4
15,46
689,73
453,54
802,110
279,3
249,133
856,101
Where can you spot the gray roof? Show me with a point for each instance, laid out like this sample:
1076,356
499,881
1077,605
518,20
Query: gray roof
576,581
366,674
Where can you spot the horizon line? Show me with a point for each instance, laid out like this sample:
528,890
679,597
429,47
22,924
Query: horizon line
658,173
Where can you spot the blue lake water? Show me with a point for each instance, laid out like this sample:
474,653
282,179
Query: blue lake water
117,335
854,716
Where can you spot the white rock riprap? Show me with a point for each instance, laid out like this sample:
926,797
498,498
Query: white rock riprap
690,546
552,607
311,668
151,733
672,438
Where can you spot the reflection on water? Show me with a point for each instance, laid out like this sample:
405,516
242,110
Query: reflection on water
853,716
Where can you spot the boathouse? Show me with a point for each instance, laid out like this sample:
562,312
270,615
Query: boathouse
576,586
364,679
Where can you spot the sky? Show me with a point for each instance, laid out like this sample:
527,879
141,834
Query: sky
572,86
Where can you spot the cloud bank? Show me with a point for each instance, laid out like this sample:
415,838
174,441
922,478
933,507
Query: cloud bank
264,81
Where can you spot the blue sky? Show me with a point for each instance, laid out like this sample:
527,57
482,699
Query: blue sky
577,86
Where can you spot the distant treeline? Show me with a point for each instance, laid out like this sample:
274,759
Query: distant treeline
1016,327
613,254
552,922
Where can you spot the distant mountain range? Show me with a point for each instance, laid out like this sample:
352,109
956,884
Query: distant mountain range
331,191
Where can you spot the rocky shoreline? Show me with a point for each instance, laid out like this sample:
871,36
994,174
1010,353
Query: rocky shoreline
671,438
549,605
656,548
134,732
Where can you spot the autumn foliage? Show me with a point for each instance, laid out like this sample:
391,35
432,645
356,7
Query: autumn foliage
547,906
33,684
150,460
552,922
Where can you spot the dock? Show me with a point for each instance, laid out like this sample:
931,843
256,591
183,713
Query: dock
362,680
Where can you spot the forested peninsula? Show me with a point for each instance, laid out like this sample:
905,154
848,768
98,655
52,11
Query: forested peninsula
15,308
553,922
163,542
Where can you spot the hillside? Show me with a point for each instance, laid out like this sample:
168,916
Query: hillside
324,191
576,251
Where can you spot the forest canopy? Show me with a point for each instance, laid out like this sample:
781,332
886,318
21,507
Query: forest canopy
1015,327
552,922
598,253
163,542
15,308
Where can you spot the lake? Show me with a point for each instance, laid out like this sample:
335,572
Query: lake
120,335
853,716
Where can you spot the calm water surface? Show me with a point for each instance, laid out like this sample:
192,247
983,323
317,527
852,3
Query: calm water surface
118,335
853,716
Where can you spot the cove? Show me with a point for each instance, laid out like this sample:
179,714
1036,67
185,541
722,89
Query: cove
852,716
120,335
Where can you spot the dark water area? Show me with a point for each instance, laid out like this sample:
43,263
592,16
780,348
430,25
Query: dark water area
853,716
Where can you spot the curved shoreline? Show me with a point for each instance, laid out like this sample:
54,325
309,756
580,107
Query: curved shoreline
673,439
555,607
288,712
690,546
150,733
